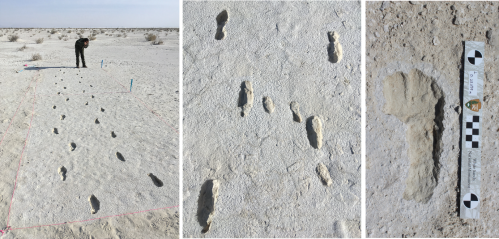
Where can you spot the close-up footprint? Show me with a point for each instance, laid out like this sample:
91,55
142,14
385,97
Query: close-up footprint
94,204
222,19
62,172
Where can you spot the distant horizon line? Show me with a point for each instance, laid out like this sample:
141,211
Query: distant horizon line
89,27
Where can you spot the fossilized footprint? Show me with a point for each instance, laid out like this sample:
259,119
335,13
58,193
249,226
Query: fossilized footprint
222,19
334,50
206,204
246,97
416,100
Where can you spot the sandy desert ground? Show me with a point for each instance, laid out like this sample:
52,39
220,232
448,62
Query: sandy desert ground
119,146
266,163
428,37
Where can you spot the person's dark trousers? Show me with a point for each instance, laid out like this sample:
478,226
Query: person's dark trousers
79,51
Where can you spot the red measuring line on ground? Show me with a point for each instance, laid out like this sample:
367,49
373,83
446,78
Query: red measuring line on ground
22,152
25,93
142,102
8,228
12,229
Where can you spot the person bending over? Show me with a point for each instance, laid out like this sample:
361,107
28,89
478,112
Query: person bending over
81,44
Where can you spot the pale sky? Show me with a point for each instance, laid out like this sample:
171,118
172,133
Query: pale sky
89,13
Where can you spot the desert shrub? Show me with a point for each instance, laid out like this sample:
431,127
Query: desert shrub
92,37
65,39
13,38
124,35
60,37
118,35
39,41
22,48
102,31
69,31
158,42
82,31
166,34
53,31
151,37
36,57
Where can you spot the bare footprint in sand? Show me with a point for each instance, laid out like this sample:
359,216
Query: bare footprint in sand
324,174
206,204
94,204
334,50
97,121
120,156
222,19
314,131
155,180
102,109
63,117
72,146
62,171
113,134
55,131
268,105
246,97
295,108
53,107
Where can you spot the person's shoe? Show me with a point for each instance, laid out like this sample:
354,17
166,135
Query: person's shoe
84,66
77,66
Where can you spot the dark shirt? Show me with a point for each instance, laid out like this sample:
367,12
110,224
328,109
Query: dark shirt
80,43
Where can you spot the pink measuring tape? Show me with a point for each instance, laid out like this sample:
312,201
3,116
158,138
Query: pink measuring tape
5,230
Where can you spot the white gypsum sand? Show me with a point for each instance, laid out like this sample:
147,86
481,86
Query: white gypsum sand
88,139
264,163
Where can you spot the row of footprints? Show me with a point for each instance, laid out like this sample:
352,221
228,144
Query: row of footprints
63,172
94,202
210,189
334,49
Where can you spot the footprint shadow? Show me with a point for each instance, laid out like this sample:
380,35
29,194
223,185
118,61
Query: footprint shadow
205,205
155,180
222,19
120,156
311,135
94,204
242,100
